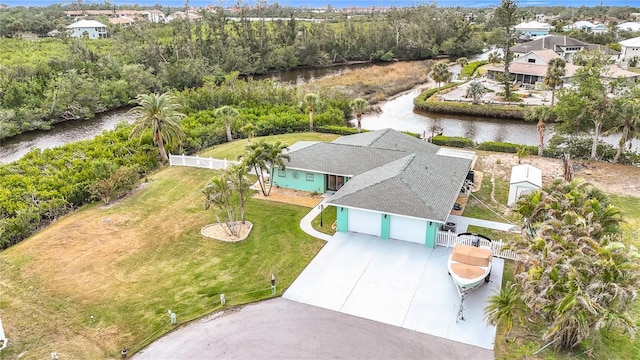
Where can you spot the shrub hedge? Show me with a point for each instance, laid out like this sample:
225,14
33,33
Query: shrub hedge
453,141
471,68
505,147
425,102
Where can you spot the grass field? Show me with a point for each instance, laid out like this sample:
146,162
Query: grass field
377,83
128,264
230,151
329,215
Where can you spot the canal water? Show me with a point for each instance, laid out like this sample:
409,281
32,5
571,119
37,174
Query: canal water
396,113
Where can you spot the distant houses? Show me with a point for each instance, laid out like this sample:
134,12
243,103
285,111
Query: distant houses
90,28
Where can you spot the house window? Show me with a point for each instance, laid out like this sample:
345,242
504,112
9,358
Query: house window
282,173
532,60
309,177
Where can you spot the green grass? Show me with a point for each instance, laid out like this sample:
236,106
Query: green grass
328,218
130,263
230,151
481,206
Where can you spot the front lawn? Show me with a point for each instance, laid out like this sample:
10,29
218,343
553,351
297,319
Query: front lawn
328,217
103,279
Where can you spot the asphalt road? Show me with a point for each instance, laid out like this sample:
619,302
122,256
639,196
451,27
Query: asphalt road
284,329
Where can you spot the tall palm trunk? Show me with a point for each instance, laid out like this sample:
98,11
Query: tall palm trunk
596,136
163,153
622,143
541,127
227,125
359,118
310,118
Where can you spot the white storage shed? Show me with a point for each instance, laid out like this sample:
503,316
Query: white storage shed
524,179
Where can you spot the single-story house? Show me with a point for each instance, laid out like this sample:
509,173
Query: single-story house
383,183
630,48
533,28
92,28
524,179
564,46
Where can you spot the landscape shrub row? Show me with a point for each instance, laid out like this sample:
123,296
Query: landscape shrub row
500,146
579,147
470,68
461,108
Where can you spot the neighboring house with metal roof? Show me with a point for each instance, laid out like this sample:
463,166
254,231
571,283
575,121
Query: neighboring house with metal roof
383,183
630,49
91,28
533,28
564,46
629,26
587,26
532,68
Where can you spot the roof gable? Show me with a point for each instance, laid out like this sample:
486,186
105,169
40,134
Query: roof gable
553,42
388,139
419,185
633,42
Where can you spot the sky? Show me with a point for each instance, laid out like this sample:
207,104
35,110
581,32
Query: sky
337,3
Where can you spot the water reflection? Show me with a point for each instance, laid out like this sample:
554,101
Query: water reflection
16,147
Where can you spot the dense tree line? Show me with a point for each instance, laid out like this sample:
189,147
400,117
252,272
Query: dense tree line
52,80
46,184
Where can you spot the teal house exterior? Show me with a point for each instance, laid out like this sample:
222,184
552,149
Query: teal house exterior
382,183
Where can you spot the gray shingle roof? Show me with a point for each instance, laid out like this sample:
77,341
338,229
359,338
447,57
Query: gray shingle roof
388,139
551,42
419,185
339,159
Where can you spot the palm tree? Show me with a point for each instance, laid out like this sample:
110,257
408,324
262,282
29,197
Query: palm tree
218,193
476,91
158,113
228,113
577,274
462,61
358,106
494,57
262,157
240,183
555,71
503,306
541,114
440,73
311,101
250,130
628,124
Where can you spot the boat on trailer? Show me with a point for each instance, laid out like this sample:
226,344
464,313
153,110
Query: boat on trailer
469,265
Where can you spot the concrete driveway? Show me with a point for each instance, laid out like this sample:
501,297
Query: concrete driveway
396,283
283,329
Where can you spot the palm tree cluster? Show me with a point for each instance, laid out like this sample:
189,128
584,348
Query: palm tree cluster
262,157
579,277
227,194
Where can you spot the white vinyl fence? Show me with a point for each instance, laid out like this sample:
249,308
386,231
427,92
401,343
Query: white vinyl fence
199,162
449,239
